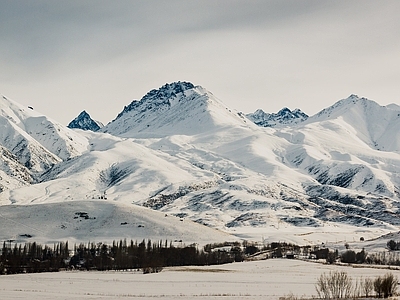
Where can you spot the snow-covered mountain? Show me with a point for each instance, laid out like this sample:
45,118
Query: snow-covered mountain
352,144
176,108
181,151
34,138
283,117
85,122
35,141
375,125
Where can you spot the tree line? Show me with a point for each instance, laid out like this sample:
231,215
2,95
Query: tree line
122,255
153,256
32,258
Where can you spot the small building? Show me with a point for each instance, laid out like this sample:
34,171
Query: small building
290,255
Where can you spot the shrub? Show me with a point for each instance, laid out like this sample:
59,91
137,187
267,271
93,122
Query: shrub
321,253
385,286
348,257
334,285
251,249
361,256
392,245
331,257
389,285
378,286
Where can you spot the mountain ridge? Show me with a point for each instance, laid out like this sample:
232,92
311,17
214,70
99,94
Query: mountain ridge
374,123
283,117
183,152
34,127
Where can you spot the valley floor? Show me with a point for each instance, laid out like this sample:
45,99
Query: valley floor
267,279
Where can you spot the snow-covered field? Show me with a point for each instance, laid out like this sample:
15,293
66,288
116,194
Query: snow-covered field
106,220
99,221
268,279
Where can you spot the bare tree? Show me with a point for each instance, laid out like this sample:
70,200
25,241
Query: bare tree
334,285
358,287
378,286
368,286
322,287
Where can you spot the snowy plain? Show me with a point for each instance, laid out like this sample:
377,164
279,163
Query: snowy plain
266,279
100,221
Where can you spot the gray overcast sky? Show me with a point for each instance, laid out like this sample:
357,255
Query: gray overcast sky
66,56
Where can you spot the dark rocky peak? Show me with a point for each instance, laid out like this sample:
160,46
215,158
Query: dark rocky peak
168,90
300,114
85,122
353,96
284,111
83,115
259,113
283,117
158,96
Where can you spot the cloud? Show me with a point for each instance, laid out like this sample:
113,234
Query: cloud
73,55
36,32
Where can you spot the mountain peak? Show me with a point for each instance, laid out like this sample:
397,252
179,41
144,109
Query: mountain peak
169,89
353,96
284,111
83,114
175,108
373,124
159,96
283,117
85,122
343,105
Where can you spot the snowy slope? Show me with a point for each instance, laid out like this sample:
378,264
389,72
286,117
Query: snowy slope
377,126
353,144
28,133
99,221
26,149
12,173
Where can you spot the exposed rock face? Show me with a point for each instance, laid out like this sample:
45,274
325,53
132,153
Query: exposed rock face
85,122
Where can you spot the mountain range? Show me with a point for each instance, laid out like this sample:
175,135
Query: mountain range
180,152
283,117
